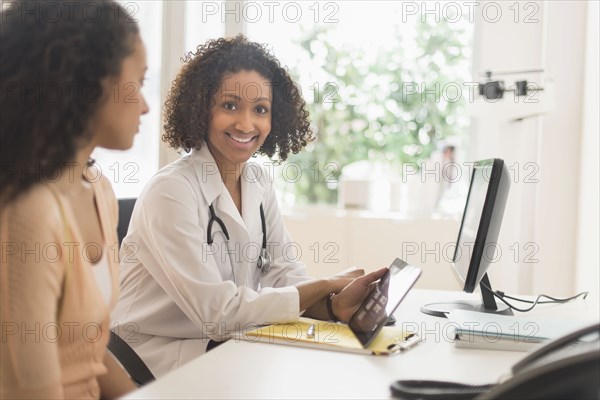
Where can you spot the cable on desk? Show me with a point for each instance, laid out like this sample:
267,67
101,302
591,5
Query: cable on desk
500,295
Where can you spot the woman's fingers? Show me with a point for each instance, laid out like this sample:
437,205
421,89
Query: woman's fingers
345,277
352,272
373,276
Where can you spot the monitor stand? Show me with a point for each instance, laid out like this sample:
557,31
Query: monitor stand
487,305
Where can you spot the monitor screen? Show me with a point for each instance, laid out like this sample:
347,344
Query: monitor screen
478,235
470,223
477,240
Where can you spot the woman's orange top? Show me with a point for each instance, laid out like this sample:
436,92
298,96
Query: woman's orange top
55,322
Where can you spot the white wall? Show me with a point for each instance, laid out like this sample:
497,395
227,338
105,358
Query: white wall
543,215
588,262
173,33
331,241
560,150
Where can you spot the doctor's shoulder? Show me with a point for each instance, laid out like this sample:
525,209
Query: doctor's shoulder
173,180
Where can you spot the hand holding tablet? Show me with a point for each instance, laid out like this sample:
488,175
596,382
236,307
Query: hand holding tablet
381,302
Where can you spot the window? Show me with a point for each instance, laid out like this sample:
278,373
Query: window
383,85
130,170
203,22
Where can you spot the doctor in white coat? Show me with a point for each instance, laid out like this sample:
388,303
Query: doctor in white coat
190,274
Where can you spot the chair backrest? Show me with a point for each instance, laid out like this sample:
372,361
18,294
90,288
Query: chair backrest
125,210
133,364
128,358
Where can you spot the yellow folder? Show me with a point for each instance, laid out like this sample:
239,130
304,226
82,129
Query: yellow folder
331,336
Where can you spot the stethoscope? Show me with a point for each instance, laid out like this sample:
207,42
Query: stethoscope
264,259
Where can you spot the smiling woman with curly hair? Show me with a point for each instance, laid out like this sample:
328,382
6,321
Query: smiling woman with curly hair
207,252
188,107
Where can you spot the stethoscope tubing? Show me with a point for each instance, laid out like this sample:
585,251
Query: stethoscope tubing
264,258
214,218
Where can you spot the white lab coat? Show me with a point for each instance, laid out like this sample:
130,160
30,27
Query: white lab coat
176,291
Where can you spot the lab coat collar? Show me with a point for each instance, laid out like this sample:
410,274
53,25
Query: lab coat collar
253,194
211,186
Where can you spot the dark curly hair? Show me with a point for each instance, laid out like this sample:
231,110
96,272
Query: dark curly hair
56,57
187,109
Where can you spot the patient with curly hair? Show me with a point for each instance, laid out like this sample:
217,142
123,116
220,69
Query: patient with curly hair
58,214
207,256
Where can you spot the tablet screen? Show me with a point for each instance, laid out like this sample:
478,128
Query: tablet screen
382,301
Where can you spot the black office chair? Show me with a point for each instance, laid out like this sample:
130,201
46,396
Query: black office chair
133,364
125,210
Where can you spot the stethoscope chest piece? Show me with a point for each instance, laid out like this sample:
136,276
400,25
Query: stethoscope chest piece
264,261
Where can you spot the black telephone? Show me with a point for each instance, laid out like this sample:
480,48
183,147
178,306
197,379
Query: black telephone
565,368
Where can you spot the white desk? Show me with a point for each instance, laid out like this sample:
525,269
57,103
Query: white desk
258,370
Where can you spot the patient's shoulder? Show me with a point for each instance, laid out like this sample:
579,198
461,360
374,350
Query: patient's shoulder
36,210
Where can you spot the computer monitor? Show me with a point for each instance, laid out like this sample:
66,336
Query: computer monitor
478,237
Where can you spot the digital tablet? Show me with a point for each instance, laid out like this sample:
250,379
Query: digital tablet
382,300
